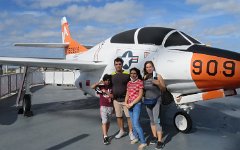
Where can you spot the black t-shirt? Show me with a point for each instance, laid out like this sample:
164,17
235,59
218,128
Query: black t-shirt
119,85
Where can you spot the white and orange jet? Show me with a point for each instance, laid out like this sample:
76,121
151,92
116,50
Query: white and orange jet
191,70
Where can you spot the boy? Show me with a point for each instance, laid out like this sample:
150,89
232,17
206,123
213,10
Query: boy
104,89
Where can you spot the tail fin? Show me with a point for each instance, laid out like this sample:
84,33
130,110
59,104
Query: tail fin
74,47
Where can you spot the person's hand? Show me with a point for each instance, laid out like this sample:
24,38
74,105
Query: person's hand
131,105
178,98
101,82
127,105
156,82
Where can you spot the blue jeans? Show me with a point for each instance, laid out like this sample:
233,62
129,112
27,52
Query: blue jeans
134,113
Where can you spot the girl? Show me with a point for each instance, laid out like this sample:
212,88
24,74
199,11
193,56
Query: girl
133,103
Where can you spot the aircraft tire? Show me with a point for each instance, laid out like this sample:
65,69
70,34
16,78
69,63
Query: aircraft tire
27,103
182,122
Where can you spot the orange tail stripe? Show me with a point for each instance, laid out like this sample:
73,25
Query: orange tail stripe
74,47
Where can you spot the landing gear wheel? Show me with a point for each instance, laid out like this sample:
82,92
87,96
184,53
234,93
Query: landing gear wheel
27,105
182,122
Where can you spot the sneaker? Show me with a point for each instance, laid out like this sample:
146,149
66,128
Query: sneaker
120,134
106,141
134,141
159,146
142,146
154,140
131,136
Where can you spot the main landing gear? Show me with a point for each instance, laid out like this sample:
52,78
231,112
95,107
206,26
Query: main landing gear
182,120
24,96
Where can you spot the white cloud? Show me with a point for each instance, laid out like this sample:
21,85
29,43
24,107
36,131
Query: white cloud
29,22
225,30
4,14
228,6
39,34
115,13
29,28
7,23
43,4
93,34
186,24
33,13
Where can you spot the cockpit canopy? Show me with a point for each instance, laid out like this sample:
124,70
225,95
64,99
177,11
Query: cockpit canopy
154,36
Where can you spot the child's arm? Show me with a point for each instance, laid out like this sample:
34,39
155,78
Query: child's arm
96,84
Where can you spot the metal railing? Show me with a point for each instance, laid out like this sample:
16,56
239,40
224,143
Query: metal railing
60,77
10,83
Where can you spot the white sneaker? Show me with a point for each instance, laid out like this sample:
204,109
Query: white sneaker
134,141
142,146
120,134
131,136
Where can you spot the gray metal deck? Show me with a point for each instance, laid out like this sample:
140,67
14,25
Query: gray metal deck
66,119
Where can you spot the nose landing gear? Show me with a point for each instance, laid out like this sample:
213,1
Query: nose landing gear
182,122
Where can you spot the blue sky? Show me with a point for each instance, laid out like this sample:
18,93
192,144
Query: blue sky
214,22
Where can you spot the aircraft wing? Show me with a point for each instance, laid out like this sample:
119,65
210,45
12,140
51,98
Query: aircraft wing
52,63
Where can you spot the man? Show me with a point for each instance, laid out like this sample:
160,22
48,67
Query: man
120,79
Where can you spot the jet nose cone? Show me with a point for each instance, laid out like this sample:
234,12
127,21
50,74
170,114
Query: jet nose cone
213,68
211,51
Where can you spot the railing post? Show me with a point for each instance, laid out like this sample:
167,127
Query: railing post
1,86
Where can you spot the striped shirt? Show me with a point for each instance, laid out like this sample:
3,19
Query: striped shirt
133,88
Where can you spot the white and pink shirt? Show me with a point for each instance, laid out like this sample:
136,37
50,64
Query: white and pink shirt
133,88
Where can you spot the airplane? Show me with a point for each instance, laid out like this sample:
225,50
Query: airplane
192,71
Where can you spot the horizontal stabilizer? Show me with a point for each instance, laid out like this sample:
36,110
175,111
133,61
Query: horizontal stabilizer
49,45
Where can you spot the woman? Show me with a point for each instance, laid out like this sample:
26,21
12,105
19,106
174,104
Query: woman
154,86
133,103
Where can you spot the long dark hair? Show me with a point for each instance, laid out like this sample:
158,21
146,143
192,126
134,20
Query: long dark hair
146,74
137,71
